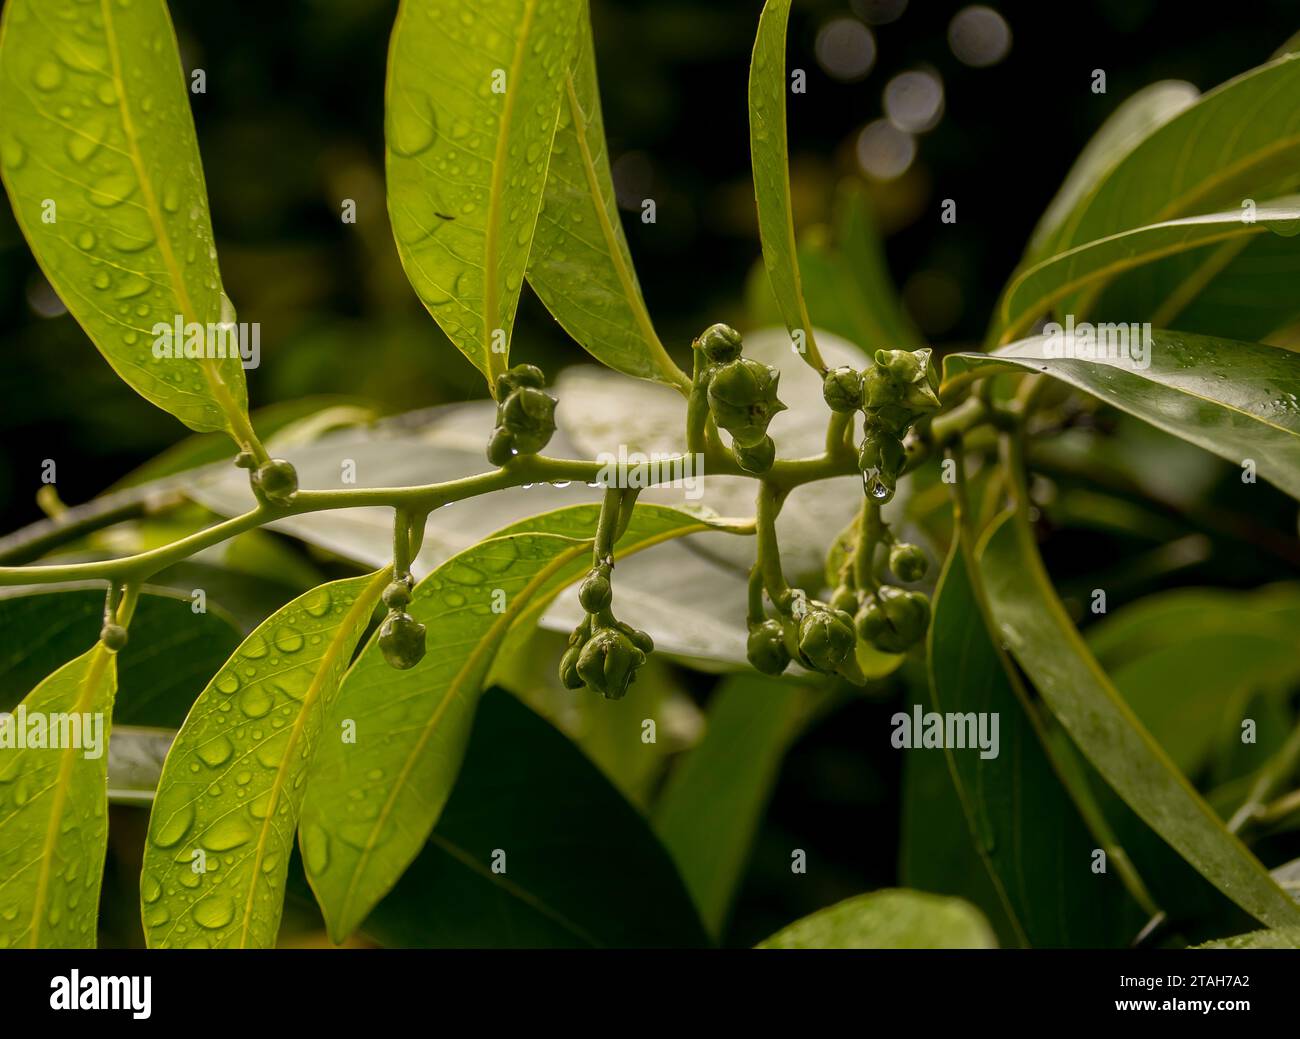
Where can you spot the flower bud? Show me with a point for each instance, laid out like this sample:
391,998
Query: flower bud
608,663
520,375
401,639
569,676
637,637
908,562
894,620
595,593
720,343
501,446
275,481
842,389
113,636
826,637
529,415
742,398
758,458
766,648
845,598
397,595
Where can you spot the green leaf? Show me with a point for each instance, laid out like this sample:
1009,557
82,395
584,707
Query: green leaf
1241,140
892,918
1030,836
714,801
233,782
128,243
582,868
1237,400
172,652
770,158
580,265
1049,284
1041,637
372,803
54,812
1187,661
472,100
1133,121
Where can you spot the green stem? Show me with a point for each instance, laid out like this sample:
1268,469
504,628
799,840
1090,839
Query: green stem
768,559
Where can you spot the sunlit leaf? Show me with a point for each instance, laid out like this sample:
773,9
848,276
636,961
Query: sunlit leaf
889,919
112,199
472,100
53,807
222,827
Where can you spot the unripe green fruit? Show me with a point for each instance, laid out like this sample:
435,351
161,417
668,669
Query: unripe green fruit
842,389
720,343
595,594
908,562
275,481
113,636
569,676
397,594
766,648
529,415
401,638
826,637
519,375
501,446
756,459
743,400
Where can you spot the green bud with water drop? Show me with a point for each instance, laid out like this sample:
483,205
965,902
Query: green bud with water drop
401,639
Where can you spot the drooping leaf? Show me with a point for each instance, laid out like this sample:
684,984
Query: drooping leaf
1239,141
889,919
172,652
770,158
1029,833
536,849
53,807
1238,400
1052,282
1135,119
471,106
102,167
580,265
713,803
1043,640
222,827
372,803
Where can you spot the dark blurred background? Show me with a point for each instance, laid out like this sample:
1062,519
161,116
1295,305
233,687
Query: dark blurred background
991,112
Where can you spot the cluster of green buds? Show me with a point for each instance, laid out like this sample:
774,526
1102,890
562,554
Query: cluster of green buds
899,387
741,395
817,635
891,619
274,482
525,414
401,636
604,653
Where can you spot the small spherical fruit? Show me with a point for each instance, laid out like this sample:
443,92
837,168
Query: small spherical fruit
401,639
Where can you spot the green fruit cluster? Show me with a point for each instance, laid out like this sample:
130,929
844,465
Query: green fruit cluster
525,414
896,389
818,636
604,653
741,395
890,618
